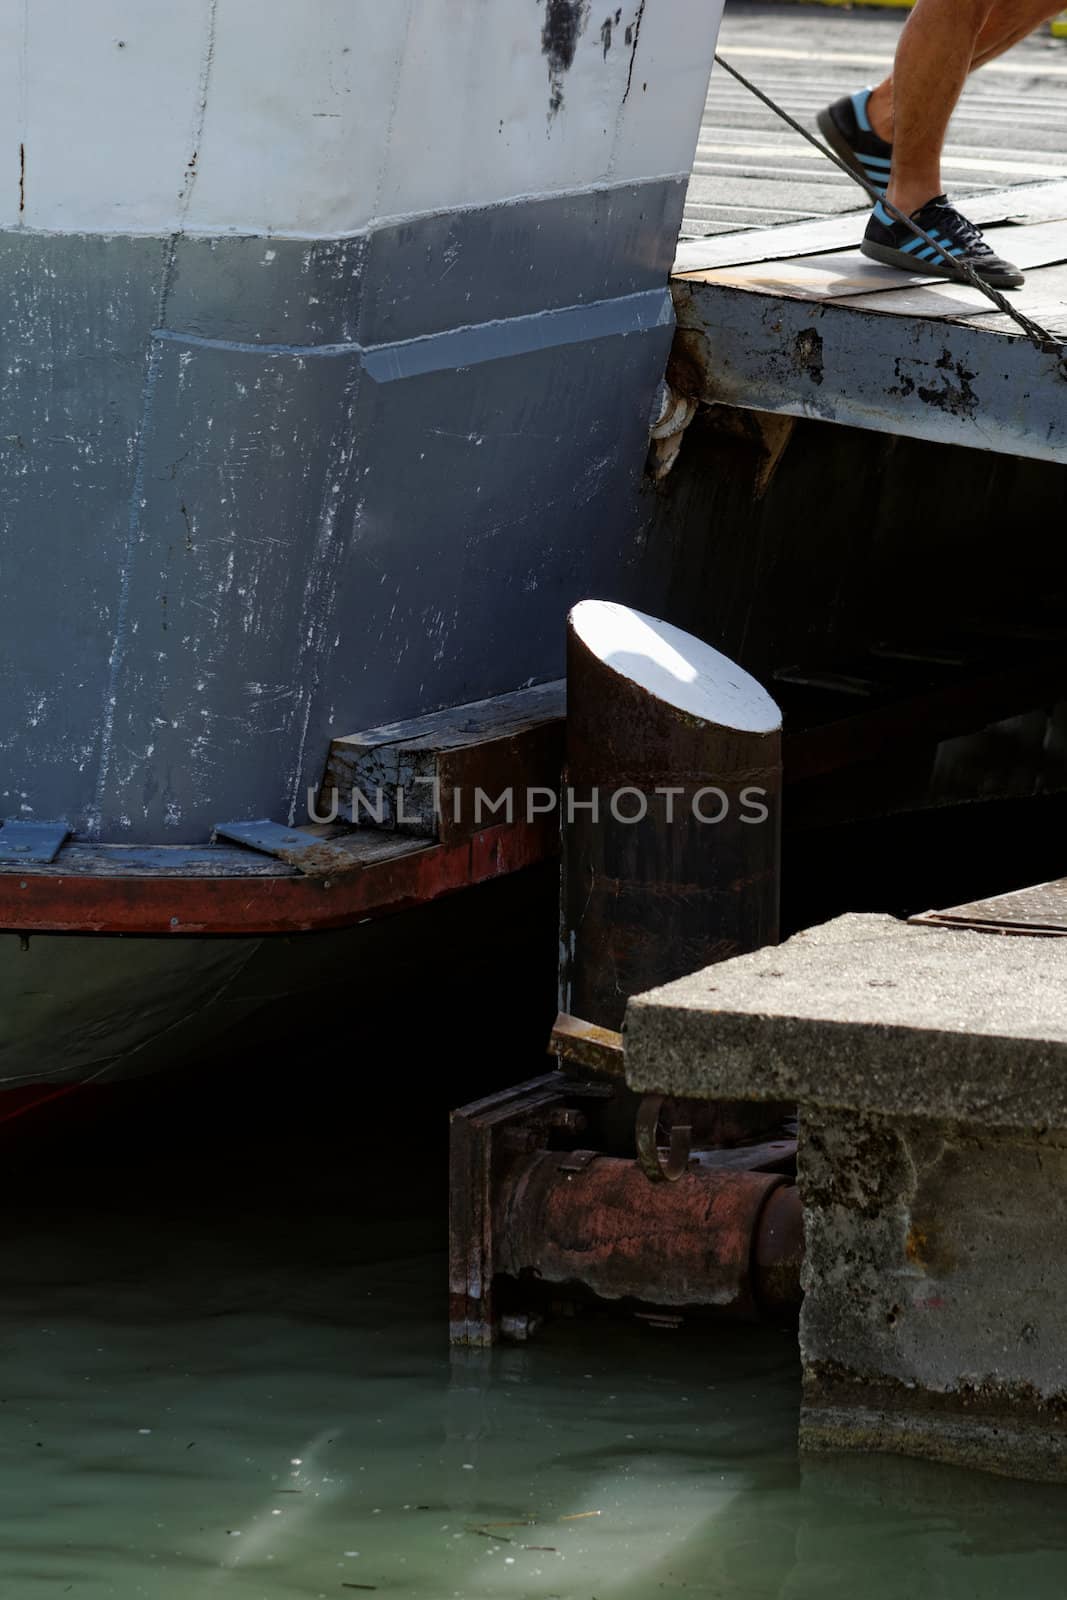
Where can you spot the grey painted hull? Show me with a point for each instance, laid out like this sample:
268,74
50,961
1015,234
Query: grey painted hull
260,491
257,492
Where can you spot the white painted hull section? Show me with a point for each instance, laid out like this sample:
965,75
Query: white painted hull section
322,118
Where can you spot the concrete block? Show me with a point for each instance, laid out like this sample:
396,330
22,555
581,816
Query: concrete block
930,1067
869,1014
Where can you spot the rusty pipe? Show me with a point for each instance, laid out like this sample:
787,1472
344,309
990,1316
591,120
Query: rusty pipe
724,1240
779,1250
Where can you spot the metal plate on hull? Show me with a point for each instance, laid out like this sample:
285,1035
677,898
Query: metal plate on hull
31,843
315,855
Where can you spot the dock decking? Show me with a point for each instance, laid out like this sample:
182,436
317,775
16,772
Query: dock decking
794,320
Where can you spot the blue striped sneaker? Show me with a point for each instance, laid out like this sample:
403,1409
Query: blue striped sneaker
847,129
895,245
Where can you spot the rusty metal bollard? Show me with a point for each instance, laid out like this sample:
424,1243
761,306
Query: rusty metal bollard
670,810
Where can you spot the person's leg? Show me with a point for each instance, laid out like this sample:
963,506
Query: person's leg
933,59
940,44
938,48
1007,22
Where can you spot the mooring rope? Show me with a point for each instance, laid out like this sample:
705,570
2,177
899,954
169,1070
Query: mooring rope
1040,337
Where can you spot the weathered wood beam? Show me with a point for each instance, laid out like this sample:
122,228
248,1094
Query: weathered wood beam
439,776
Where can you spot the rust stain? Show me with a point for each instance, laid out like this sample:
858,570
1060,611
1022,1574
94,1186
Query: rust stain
688,364
916,1245
807,354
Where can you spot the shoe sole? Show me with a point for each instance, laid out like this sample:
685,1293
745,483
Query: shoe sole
840,145
1009,279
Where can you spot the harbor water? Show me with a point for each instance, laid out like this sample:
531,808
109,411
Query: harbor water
223,1326
233,1379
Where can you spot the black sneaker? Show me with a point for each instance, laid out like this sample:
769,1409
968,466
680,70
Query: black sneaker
894,244
847,130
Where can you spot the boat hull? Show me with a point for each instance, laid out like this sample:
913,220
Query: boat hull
330,349
331,336
77,1009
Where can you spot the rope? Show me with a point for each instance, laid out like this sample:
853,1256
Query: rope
1038,336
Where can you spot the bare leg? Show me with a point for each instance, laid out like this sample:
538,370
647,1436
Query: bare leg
1007,23
933,59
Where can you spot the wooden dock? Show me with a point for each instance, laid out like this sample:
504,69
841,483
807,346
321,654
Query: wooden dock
794,321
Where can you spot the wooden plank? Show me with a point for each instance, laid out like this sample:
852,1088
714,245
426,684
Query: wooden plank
846,274
315,856
1052,318
937,299
1028,203
456,725
156,861
1042,202
827,277
769,244
963,705
423,777
585,1045
1044,298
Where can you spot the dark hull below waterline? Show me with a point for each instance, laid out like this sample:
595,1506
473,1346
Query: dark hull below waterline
78,1009
303,1014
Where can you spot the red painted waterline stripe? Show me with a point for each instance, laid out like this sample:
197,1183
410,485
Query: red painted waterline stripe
22,1107
84,903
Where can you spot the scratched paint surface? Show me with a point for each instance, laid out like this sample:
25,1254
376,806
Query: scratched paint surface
221,554
248,503
263,1406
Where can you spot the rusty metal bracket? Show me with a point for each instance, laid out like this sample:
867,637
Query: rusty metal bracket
646,1128
1039,909
484,1135
530,1221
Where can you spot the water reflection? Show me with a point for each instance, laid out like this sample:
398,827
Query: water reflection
210,1404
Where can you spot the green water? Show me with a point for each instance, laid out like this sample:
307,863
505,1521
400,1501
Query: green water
213,1400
